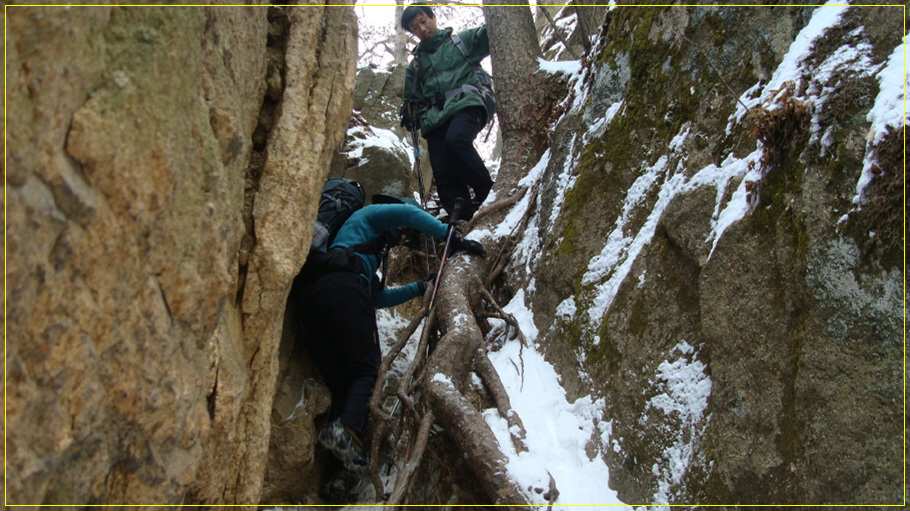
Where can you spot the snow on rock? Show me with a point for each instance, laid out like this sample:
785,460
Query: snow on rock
685,391
889,111
615,260
608,269
559,433
362,137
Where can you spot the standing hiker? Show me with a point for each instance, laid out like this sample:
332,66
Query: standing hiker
449,97
337,310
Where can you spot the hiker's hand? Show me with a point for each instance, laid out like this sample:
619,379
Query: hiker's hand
409,120
460,244
423,284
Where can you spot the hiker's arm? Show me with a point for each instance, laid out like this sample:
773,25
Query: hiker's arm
392,296
410,85
477,42
405,215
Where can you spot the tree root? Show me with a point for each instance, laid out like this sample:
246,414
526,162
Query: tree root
431,384
492,208
408,381
428,391
381,418
493,382
505,316
472,434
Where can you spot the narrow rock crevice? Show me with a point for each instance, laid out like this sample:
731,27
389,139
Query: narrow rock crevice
268,113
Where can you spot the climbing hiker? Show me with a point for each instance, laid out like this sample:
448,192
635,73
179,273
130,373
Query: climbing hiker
337,311
449,98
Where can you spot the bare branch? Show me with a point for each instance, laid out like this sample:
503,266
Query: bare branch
558,31
505,316
407,380
403,481
487,372
496,206
389,358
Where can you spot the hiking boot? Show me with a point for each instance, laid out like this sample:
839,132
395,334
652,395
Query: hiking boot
345,445
342,488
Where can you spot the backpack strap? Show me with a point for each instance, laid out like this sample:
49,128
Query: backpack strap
460,45
485,81
484,91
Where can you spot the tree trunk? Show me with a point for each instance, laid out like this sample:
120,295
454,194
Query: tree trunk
400,43
525,97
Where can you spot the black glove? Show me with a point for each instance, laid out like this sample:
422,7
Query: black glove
460,244
422,285
409,118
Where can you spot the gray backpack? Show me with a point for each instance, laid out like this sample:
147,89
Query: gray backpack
485,90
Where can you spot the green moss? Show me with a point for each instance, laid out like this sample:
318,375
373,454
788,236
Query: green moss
776,215
572,332
594,180
604,357
617,37
886,200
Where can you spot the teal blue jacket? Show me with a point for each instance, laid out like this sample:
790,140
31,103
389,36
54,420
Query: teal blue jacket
438,66
371,221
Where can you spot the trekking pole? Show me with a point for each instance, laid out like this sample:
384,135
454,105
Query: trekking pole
459,202
423,192
415,139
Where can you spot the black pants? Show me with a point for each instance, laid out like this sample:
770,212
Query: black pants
339,327
456,164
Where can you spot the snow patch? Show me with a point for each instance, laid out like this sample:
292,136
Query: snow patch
559,433
363,137
888,113
686,389
441,378
567,309
567,67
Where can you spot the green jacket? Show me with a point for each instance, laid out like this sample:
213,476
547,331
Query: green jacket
439,67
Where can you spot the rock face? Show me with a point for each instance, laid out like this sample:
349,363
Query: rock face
710,273
377,151
163,174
